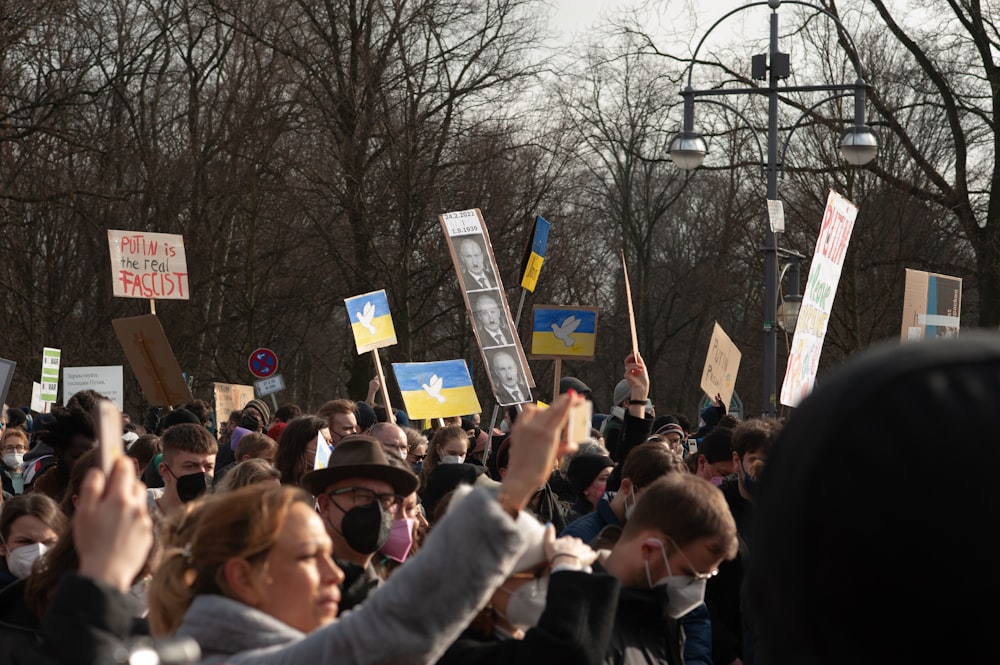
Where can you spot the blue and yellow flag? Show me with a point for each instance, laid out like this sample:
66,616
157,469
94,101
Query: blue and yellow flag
563,332
371,321
439,389
532,265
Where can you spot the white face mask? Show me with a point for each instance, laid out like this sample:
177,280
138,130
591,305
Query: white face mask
684,592
629,508
526,604
452,459
13,460
20,560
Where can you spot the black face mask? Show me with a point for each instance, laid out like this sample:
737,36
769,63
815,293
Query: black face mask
192,485
366,528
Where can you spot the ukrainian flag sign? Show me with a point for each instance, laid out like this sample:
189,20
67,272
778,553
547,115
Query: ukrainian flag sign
563,332
439,389
371,321
531,265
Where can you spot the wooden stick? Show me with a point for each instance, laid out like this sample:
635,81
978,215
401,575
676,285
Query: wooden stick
555,381
385,388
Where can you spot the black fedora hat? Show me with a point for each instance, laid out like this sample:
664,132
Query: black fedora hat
360,456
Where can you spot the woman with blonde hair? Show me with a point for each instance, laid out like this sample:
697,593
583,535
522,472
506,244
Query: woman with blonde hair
249,574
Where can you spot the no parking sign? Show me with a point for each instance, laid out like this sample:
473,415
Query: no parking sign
263,363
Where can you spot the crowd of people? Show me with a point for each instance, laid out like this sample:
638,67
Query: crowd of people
810,539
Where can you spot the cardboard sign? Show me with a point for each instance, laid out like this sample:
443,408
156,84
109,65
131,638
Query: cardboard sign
817,301
371,321
534,254
148,265
152,360
230,397
50,374
486,304
6,376
107,380
718,377
932,306
563,332
439,389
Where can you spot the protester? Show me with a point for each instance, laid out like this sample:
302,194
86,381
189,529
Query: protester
872,545
449,445
13,445
249,574
341,416
187,468
248,472
296,453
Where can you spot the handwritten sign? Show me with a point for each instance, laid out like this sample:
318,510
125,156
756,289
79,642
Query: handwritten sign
230,397
817,302
718,377
148,265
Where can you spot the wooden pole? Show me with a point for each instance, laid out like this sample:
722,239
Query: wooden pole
385,388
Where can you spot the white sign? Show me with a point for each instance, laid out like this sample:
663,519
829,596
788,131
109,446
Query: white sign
37,405
148,265
271,384
776,216
107,380
817,301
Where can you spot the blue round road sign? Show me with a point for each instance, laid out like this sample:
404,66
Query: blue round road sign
263,363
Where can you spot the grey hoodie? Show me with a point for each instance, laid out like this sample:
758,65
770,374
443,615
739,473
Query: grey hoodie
411,620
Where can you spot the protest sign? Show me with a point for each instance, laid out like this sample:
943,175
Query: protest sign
148,265
486,304
50,374
230,397
371,321
106,379
440,389
718,377
817,301
932,305
152,360
563,332
6,376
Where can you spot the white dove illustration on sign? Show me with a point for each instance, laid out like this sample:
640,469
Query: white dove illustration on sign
564,331
434,389
366,315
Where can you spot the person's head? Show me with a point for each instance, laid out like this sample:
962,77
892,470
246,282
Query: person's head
248,472
673,435
471,255
644,465
296,453
621,394
488,313
70,433
255,445
449,445
588,475
234,420
417,445
30,524
409,524
261,545
86,399
177,417
17,419
188,463
568,383
714,458
286,412
678,534
505,368
392,437
201,409
13,445
260,409
341,416
357,495
860,498
752,440
89,460
144,449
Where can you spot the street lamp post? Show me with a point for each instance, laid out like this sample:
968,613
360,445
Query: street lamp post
858,144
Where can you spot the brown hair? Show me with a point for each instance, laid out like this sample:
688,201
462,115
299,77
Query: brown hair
686,508
335,406
440,438
189,438
87,461
247,472
33,504
648,462
290,458
145,448
14,433
210,531
255,444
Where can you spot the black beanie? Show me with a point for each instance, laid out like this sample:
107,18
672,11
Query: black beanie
584,468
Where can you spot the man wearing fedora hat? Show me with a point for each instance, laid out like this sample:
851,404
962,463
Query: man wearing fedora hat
357,495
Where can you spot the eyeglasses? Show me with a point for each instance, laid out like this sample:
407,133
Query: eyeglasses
15,449
362,496
694,572
419,458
